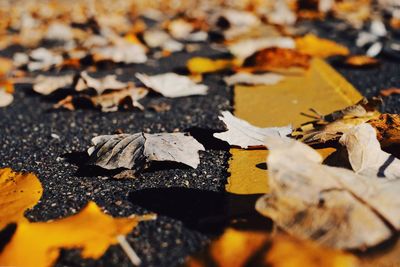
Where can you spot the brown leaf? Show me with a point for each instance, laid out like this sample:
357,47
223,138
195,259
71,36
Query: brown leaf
388,128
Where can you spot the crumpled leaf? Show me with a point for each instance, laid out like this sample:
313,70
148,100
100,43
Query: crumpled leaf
46,85
361,61
365,154
319,47
245,48
108,102
134,151
334,206
243,134
253,79
250,248
200,65
275,59
108,82
388,128
172,85
90,230
19,192
331,126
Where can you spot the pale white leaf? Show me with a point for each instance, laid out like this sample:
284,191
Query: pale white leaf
253,79
243,134
133,151
122,53
46,85
5,98
108,82
365,154
245,48
172,85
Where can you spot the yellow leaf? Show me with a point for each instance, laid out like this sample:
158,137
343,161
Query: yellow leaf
318,47
19,192
199,65
247,248
39,244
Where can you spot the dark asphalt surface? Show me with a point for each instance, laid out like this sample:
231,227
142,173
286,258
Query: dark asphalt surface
184,198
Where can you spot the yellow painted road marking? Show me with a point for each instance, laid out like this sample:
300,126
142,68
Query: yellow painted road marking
321,88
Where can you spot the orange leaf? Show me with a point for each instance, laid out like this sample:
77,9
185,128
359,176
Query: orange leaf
19,192
246,248
318,47
199,65
39,244
361,61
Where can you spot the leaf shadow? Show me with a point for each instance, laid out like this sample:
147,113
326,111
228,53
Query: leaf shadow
205,211
207,139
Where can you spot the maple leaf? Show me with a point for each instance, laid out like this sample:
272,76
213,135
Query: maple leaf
318,47
90,230
172,85
243,134
19,192
331,126
133,151
365,154
276,59
342,210
244,248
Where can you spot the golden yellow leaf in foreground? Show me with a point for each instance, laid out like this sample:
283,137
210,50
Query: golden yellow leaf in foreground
200,65
39,244
246,248
19,192
319,47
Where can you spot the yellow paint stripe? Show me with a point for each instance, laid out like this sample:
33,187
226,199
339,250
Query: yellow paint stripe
321,88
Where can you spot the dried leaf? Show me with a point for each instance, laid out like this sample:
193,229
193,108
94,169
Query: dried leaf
343,210
365,154
275,59
108,82
46,85
243,134
250,248
390,91
121,53
159,38
388,128
133,151
172,85
245,48
19,192
361,61
199,65
41,242
108,102
330,127
253,79
5,98
318,47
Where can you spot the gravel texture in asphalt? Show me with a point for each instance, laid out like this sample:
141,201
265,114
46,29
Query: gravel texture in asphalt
52,144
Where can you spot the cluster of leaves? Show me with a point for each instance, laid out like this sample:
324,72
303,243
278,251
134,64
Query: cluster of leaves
353,208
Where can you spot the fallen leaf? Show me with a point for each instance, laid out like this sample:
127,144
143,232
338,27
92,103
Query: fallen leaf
365,154
389,91
108,102
251,248
172,85
331,126
19,192
253,79
319,47
245,48
242,134
121,53
5,98
46,85
90,230
199,65
343,210
161,39
276,58
388,129
361,61
108,82
134,151
43,59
